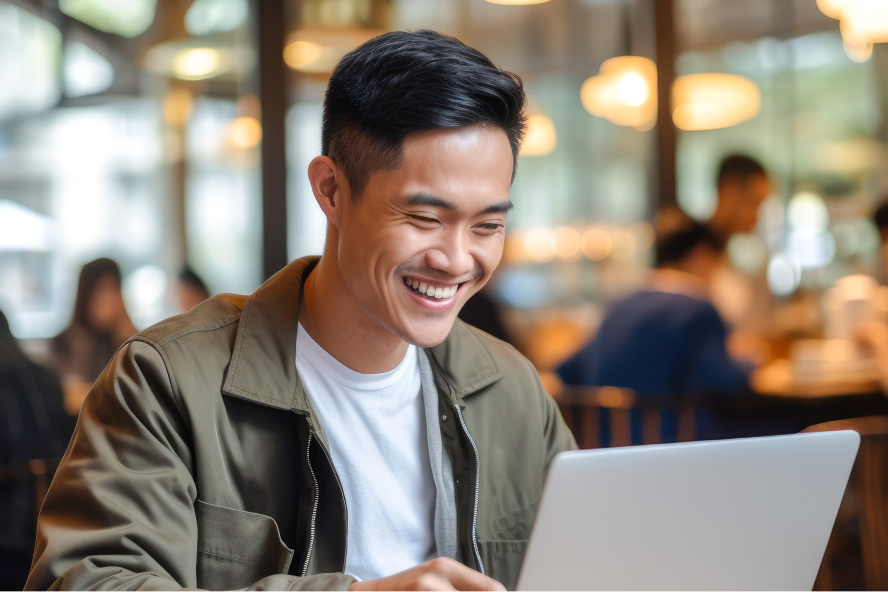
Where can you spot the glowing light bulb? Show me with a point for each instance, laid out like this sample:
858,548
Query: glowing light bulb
633,89
197,63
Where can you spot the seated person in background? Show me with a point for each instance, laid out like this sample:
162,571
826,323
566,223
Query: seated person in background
99,327
874,333
190,289
742,185
33,425
667,339
880,217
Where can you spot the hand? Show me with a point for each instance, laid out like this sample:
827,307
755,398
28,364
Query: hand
440,573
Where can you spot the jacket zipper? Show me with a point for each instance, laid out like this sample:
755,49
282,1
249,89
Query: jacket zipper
314,510
477,488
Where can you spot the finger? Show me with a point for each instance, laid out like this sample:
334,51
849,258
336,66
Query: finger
431,581
466,578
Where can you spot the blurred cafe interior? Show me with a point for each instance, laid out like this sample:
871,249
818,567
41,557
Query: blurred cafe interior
696,248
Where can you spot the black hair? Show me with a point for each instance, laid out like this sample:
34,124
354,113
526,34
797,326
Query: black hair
402,82
188,277
677,245
880,217
738,167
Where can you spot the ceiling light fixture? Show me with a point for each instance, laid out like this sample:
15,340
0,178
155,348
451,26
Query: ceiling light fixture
623,92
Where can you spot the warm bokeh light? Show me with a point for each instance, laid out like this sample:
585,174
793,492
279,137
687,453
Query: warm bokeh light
623,92
862,22
858,53
714,101
596,244
245,132
517,2
633,90
314,50
540,138
567,243
540,245
301,54
196,63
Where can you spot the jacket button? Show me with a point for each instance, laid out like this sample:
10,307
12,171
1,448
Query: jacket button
443,418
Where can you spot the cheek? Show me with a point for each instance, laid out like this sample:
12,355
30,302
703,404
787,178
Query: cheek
490,253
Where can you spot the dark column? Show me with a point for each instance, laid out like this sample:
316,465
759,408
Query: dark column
665,75
271,33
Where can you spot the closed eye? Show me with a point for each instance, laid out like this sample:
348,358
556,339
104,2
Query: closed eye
425,220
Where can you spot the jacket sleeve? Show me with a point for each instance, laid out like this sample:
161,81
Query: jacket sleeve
120,511
557,436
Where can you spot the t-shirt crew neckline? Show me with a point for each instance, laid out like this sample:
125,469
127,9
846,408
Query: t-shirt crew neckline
336,370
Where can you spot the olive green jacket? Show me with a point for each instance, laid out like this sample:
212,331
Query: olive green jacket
198,461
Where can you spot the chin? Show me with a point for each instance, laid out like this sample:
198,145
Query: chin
430,335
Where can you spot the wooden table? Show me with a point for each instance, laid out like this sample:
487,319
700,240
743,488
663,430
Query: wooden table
778,380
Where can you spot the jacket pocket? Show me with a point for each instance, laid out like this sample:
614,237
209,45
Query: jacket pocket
502,560
237,548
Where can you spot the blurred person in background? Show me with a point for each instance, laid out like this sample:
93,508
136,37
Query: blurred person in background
190,289
742,300
873,333
668,339
880,217
743,185
33,425
100,325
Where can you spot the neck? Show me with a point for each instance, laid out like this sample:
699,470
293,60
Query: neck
332,315
679,281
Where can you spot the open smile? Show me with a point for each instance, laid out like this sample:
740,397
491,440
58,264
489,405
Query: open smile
432,295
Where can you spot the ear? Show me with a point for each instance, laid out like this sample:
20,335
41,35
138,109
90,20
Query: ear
330,188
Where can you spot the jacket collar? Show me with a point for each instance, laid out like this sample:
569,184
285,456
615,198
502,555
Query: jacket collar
263,360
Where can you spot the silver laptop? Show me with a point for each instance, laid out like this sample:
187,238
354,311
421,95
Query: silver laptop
752,514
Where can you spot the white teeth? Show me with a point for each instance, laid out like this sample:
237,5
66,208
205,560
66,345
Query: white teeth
432,291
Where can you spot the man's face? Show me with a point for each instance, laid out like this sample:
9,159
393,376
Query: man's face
422,239
745,197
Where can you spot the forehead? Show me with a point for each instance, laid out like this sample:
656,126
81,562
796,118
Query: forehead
466,166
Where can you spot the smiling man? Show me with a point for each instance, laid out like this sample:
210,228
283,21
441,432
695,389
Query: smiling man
339,428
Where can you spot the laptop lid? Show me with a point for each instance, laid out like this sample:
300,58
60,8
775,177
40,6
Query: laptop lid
750,514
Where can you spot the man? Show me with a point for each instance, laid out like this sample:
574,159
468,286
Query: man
742,186
667,340
742,300
339,424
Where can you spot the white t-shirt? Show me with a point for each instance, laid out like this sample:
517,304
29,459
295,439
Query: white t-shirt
375,426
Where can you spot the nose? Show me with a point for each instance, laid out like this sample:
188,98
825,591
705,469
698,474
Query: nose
452,255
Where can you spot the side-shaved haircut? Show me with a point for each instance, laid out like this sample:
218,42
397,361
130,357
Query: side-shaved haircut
406,82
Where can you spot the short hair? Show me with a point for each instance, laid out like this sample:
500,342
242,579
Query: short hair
189,277
880,217
677,245
738,167
401,83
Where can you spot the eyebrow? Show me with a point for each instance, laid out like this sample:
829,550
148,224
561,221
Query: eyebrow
424,199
